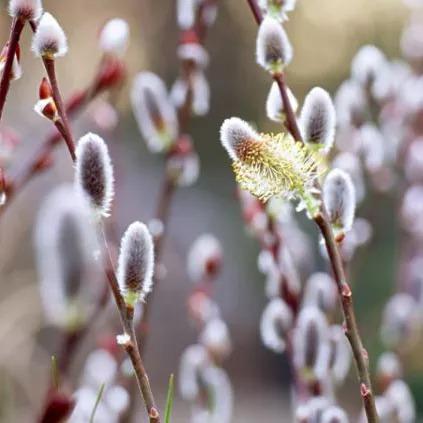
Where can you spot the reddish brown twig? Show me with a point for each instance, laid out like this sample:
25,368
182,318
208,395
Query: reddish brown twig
65,130
15,34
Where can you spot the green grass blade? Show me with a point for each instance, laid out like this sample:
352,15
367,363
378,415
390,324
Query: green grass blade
169,400
97,401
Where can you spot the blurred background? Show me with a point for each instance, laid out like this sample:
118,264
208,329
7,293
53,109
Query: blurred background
325,34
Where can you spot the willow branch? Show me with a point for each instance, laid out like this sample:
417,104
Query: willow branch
344,290
66,132
15,34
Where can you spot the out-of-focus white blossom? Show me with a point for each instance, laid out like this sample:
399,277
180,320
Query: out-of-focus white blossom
350,104
100,367
311,343
200,92
193,360
66,242
412,210
372,147
114,37
400,320
320,291
366,64
204,258
195,53
216,338
413,164
275,322
154,112
339,354
400,397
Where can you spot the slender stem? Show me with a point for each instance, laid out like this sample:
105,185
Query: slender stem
256,11
291,120
49,64
351,327
131,345
15,34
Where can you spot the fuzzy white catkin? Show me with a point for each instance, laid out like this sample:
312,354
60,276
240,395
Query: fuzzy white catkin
318,119
205,250
154,112
136,261
114,36
273,48
234,132
274,104
65,242
339,199
28,9
275,321
94,173
49,39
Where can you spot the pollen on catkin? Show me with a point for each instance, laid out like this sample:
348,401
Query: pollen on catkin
94,173
318,119
273,48
27,9
49,39
269,165
339,199
136,263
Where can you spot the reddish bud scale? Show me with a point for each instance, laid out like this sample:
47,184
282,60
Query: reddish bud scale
45,90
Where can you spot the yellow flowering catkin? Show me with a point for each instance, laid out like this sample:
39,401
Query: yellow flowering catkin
276,165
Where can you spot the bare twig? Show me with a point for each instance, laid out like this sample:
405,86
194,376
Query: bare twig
15,34
66,132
